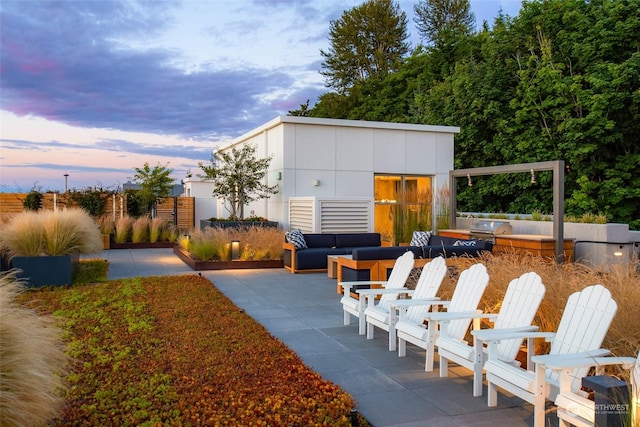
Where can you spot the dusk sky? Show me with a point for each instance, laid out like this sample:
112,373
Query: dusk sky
94,89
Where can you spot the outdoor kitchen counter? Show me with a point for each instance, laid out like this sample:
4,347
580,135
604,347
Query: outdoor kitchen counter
531,243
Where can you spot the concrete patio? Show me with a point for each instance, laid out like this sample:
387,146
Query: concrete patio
304,311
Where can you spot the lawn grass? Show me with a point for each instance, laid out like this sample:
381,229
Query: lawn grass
90,271
175,351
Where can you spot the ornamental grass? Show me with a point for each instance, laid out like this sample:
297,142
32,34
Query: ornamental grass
123,229
561,280
140,230
175,351
32,361
63,232
256,243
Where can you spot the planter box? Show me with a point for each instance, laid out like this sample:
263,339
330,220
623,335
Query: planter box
106,241
224,265
237,224
40,271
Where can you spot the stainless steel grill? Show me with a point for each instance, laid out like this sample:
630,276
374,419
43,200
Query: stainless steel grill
488,229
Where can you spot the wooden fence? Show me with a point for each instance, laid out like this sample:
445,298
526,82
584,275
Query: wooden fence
176,210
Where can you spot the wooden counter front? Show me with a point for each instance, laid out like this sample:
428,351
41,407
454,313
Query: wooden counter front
530,243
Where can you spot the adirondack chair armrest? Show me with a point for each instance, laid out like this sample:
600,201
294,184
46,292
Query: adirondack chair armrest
560,364
426,302
349,285
510,333
445,316
558,359
384,291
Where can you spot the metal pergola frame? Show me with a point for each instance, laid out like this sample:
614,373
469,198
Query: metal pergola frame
556,166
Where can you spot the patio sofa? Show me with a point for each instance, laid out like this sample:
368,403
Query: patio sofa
361,267
367,253
313,257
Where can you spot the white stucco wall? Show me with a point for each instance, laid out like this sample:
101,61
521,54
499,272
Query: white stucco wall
343,156
205,203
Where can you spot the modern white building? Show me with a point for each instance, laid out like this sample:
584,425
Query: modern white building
345,175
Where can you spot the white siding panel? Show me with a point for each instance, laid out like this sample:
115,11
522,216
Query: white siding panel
354,184
422,153
354,149
316,147
389,151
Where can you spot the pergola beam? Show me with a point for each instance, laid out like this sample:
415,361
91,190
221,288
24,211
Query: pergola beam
556,166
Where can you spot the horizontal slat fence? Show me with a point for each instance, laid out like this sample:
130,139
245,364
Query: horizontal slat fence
182,207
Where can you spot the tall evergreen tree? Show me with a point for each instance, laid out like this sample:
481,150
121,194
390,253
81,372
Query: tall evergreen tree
440,20
366,41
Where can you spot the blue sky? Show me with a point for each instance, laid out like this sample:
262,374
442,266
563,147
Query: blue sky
95,89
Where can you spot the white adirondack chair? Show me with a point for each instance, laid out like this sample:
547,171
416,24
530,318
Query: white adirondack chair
385,317
519,306
466,297
573,406
584,323
397,279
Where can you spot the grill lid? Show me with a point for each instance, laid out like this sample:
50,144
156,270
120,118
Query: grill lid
491,227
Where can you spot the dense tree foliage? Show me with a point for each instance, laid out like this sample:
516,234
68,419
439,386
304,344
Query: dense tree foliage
559,81
368,41
155,184
439,20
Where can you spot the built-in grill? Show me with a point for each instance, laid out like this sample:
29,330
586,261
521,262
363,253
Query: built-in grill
487,230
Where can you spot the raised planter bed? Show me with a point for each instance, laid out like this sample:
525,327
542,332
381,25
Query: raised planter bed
46,270
198,265
144,245
237,224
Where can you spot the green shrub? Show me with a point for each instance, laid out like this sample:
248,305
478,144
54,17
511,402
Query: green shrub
32,361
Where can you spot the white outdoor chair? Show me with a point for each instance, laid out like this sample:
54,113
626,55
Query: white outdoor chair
518,308
385,317
466,297
583,326
573,406
397,279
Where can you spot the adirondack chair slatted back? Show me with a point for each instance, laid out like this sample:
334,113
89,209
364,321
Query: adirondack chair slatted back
428,285
398,278
583,326
466,296
519,306
635,389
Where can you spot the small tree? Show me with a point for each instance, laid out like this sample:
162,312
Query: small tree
155,185
237,177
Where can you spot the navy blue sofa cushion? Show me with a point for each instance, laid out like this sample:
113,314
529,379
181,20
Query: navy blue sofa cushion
384,252
355,240
315,258
318,240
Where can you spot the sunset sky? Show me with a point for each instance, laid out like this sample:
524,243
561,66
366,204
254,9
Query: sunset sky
94,89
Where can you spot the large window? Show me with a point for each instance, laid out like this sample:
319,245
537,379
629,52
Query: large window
403,204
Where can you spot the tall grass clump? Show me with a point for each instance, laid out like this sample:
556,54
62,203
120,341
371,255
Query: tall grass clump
123,229
71,231
258,243
561,280
170,233
32,362
23,235
212,243
64,232
155,229
140,229
107,224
